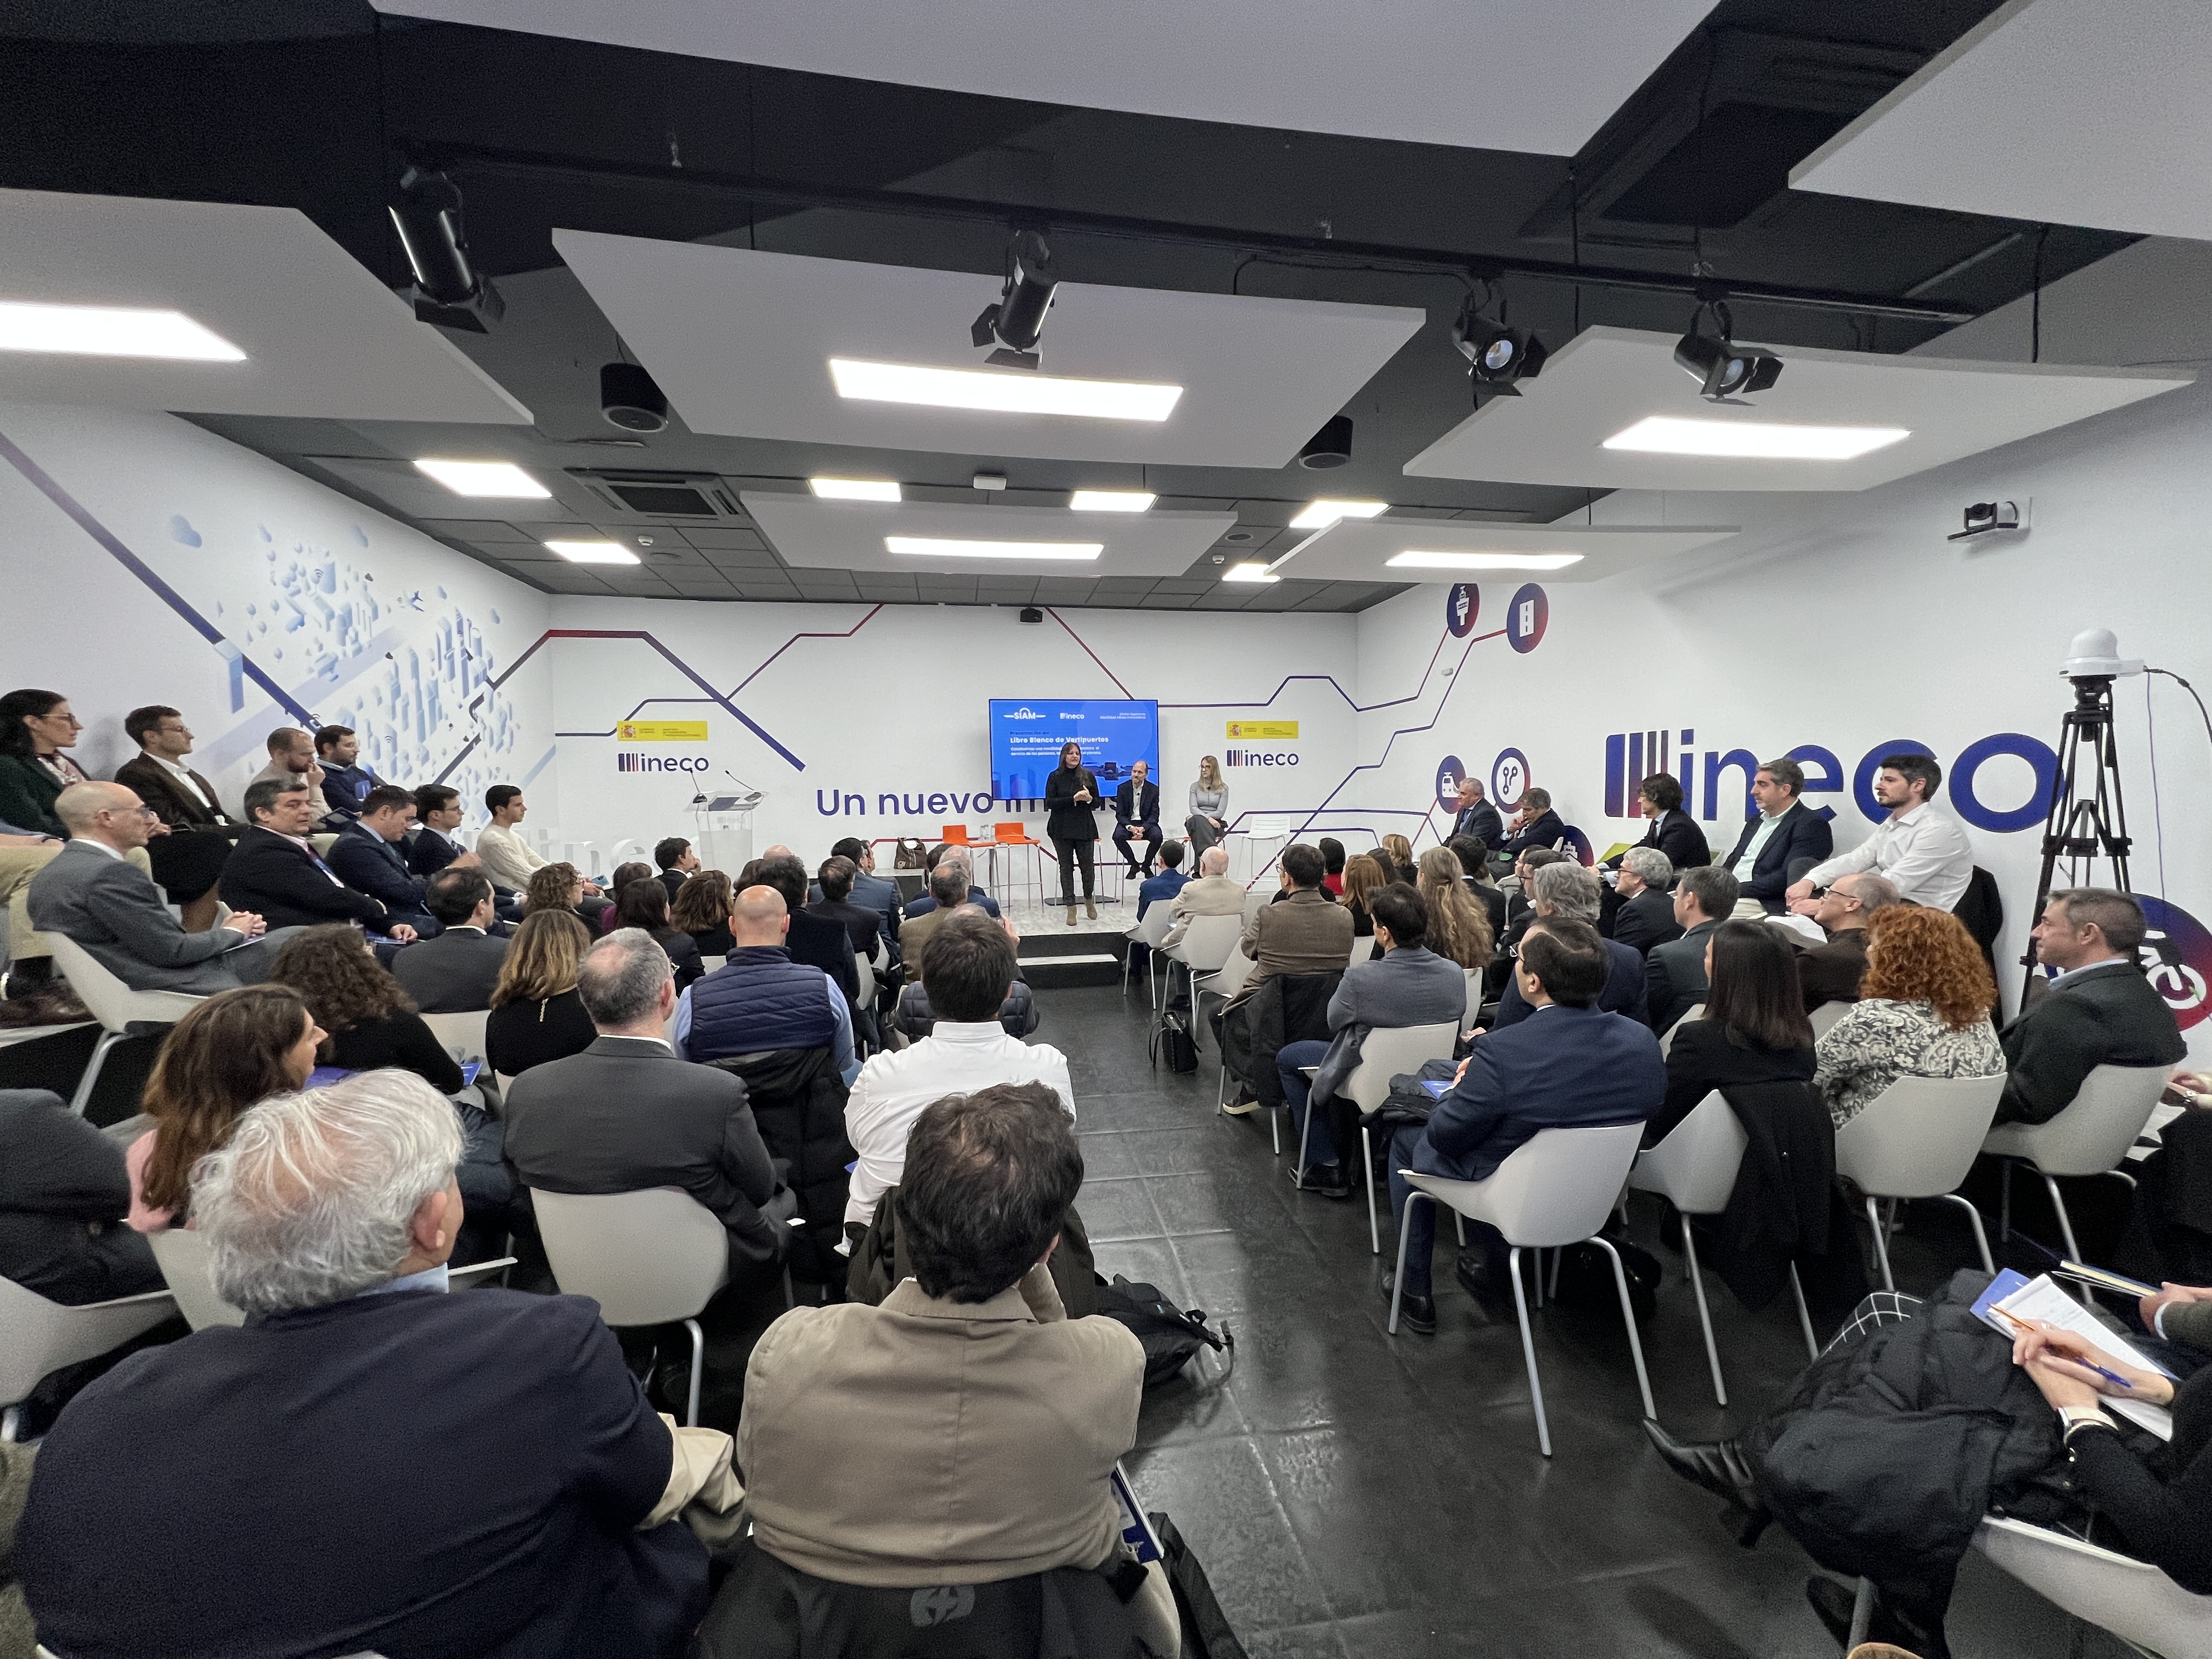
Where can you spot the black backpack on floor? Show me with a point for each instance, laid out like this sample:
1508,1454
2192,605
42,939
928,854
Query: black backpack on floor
1171,1038
1170,1336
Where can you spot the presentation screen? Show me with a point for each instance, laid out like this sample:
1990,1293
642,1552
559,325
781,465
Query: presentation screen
1027,736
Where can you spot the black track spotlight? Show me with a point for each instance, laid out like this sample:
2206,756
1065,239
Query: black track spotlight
629,399
1496,355
1016,321
1331,447
1721,368
449,291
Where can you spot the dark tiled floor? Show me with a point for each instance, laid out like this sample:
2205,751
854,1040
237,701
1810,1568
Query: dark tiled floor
1351,1493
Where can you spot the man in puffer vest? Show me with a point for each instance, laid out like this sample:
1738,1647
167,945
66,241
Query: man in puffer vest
760,998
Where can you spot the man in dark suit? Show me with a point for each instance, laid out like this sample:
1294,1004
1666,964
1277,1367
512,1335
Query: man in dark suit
1672,831
1832,972
820,941
870,890
1534,825
1137,815
1675,973
1474,816
923,904
188,862
1565,891
89,895
455,972
1645,914
1784,836
432,847
367,857
627,1114
834,883
1568,1065
677,861
1474,855
2100,1010
275,872
346,783
370,1463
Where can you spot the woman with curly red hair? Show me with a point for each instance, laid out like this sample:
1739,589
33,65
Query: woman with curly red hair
1924,1011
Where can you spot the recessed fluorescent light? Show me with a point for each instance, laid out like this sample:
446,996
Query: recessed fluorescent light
111,332
485,478
937,547
1013,391
1413,559
1764,440
1319,515
1111,501
854,489
1251,570
593,552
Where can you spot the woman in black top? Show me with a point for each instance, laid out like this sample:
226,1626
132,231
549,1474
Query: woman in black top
645,904
536,1012
702,909
372,1022
1071,797
1755,1029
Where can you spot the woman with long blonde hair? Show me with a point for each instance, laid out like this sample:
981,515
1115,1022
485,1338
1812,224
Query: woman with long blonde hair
1458,926
1363,879
536,1014
1209,806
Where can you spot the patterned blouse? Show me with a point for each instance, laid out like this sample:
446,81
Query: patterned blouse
1880,1040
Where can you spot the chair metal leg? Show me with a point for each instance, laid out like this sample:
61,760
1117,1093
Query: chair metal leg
1628,1319
1367,1174
1459,1228
1981,1238
1705,1315
698,1369
1552,1289
82,1098
1881,1248
790,1300
1305,1137
1862,1613
1804,1314
1275,1129
2065,1222
11,1422
1528,1349
1398,1279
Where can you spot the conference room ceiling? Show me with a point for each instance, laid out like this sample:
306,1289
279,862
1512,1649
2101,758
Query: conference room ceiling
319,105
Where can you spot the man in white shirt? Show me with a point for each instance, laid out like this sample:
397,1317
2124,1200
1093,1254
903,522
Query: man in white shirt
1923,852
1213,894
967,967
508,859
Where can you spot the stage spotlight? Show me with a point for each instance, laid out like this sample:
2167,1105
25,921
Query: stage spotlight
1330,447
1016,321
449,291
1719,365
1497,356
629,399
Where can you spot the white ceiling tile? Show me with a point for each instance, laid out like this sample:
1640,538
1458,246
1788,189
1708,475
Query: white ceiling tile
813,534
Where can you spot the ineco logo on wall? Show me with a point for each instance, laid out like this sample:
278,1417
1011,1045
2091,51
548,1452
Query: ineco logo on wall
630,763
2177,959
1258,757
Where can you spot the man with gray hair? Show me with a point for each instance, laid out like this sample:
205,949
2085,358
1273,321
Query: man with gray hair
1566,890
1645,915
628,1114
368,1464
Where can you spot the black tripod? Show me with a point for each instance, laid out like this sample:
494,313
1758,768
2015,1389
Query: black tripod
2089,818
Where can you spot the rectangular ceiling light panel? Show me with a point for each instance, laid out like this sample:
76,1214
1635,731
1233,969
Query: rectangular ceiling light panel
485,478
940,548
854,489
1112,501
1251,570
111,332
1416,559
1008,391
582,552
1774,441
1319,515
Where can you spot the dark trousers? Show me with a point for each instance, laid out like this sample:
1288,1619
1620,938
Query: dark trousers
1420,1225
1148,833
1298,1090
1072,852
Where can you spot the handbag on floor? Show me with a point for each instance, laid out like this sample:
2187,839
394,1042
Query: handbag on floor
1205,1633
1585,1281
1170,1336
1171,1038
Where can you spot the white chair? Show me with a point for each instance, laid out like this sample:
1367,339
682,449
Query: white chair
505,1080
1694,1169
2091,1137
1696,1011
1206,945
323,843
44,1336
1386,1053
1158,923
462,1033
1917,1138
1827,1015
114,1004
865,970
1256,900
182,1254
710,963
1555,1189
2131,1599
653,1257
1263,839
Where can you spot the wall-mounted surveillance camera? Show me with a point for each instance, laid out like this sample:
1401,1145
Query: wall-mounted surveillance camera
1985,516
1031,614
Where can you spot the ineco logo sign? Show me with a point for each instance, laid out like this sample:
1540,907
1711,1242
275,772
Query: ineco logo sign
625,761
1257,757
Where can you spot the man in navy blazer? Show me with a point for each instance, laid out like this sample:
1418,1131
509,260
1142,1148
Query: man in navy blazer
1786,833
1474,816
1137,816
1557,891
431,847
1568,1066
275,873
368,858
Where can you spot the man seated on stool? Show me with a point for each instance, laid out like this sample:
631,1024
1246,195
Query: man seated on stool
454,972
2100,1010
370,1464
1565,891
1832,972
1410,986
1137,815
1567,1066
964,1432
759,998
1923,851
1646,914
367,857
1213,894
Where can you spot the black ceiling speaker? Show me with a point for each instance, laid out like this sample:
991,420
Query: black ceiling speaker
629,399
1720,367
1330,447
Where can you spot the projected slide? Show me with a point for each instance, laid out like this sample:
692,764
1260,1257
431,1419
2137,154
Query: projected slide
1026,737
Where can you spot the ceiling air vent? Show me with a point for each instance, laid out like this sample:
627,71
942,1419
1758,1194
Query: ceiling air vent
663,494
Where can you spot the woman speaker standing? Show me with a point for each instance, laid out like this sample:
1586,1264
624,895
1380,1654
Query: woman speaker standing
1209,808
1071,797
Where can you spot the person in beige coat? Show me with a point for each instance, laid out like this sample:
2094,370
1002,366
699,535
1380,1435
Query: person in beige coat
1211,895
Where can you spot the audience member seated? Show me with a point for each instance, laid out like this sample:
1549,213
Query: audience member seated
2099,1010
676,863
1924,1011
367,1464
1754,1030
1565,889
1786,834
224,1058
624,876
1672,831
912,1016
35,726
1534,825
870,889
188,862
1382,860
90,896
65,1192
1162,888
536,1014
438,814
1888,1450
1645,915
1213,894
1402,857
948,891
23,854
627,1114
862,925
1675,973
965,1430
1923,852
1458,927
292,762
1331,866
1475,817
644,905
1307,933
1570,1065
1474,854
1137,817
760,1000
456,972
559,887
818,941
1362,880
346,783
372,1023
365,856
937,855
275,873
1411,985
1832,972
509,860
703,910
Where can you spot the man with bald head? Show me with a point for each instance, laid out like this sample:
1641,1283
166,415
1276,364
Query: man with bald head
759,998
1213,894
91,894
